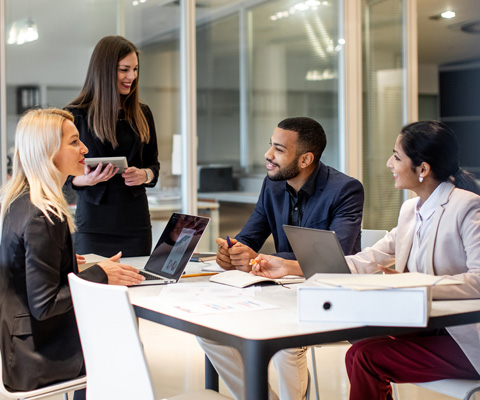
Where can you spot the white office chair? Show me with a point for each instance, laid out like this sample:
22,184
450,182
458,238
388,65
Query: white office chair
463,389
369,238
114,357
47,391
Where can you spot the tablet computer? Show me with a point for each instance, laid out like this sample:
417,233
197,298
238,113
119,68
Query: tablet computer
118,162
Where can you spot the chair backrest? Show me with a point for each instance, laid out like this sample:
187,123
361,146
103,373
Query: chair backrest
371,236
114,358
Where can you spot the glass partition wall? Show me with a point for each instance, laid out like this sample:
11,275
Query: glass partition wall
384,87
257,62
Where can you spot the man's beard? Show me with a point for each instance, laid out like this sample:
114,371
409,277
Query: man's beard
289,172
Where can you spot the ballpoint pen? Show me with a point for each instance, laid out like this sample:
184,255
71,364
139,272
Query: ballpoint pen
229,242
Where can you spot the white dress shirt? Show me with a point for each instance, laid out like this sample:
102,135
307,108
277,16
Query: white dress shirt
423,217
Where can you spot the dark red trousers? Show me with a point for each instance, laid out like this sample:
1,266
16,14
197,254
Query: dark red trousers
373,363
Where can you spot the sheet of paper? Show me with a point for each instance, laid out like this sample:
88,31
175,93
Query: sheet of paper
211,266
198,290
378,282
205,298
228,304
90,259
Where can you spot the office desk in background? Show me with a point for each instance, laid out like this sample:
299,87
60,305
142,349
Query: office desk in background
257,341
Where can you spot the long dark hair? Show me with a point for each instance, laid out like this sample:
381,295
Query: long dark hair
100,94
436,144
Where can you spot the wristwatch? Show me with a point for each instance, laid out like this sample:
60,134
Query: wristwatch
149,174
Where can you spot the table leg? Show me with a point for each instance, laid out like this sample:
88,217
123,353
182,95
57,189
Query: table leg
211,376
256,372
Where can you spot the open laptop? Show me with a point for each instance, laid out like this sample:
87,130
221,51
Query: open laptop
176,245
316,250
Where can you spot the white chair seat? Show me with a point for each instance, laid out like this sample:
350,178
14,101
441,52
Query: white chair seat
457,388
47,391
200,395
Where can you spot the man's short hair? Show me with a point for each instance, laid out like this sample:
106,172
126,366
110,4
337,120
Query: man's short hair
311,136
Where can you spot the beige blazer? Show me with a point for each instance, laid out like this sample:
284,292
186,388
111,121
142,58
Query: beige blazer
453,250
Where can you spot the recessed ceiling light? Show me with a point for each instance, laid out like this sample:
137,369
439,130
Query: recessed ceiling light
448,14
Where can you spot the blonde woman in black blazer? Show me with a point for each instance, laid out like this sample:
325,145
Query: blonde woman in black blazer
38,332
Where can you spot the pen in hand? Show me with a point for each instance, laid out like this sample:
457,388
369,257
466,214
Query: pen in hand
229,243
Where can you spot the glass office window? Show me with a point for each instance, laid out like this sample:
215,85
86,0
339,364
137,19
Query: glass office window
218,91
383,82
50,71
290,64
293,71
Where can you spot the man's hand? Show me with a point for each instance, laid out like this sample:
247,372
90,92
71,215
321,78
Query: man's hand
240,256
120,274
223,257
235,256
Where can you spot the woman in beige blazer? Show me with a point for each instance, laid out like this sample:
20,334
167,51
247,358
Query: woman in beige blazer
438,233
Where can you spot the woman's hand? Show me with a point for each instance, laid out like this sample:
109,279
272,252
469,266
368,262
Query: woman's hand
387,270
274,267
120,274
134,176
91,178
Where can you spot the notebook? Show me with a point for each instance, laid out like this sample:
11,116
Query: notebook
176,245
316,250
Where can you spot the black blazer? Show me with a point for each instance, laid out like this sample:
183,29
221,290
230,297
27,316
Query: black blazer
141,155
38,331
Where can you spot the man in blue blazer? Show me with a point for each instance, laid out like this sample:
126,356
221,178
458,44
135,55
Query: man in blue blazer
298,190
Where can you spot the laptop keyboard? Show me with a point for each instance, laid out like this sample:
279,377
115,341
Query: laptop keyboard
150,277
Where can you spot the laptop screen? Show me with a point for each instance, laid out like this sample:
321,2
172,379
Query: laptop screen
176,245
317,250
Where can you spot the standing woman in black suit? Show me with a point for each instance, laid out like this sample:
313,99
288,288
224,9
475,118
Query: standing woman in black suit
39,340
112,210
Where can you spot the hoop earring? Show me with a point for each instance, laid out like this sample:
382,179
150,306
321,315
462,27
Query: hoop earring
420,178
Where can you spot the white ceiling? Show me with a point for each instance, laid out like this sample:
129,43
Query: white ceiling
439,41
443,41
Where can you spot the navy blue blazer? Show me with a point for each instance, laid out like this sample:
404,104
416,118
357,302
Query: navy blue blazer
336,205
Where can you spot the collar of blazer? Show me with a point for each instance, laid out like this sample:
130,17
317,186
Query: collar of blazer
405,241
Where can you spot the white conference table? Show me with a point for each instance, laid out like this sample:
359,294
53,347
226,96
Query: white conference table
259,334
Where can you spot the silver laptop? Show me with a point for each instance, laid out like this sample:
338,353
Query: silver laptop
316,250
176,245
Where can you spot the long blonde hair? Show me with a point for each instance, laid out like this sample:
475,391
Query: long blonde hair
38,138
